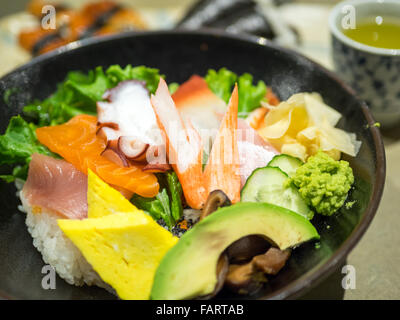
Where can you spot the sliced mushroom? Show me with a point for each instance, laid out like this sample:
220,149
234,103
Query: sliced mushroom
244,278
246,248
272,261
222,271
215,200
249,277
132,148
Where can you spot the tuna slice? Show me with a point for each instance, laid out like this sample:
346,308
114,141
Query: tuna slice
57,186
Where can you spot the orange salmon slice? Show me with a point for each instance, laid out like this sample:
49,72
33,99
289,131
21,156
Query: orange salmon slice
77,142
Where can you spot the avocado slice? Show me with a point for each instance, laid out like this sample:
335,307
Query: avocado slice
188,270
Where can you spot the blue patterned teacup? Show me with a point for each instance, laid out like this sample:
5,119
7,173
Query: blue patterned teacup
374,73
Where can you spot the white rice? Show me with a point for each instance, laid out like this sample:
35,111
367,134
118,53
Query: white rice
56,249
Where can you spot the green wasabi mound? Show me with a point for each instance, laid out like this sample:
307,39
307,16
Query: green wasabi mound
324,183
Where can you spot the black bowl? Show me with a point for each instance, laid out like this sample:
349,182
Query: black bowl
179,55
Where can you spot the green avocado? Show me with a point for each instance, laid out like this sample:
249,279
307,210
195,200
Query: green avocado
188,270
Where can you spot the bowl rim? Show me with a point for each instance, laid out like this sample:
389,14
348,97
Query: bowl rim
336,32
310,279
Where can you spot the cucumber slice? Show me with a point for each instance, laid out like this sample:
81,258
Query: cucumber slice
268,185
286,163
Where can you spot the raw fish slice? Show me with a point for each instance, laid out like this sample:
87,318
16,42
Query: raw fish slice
185,152
76,141
197,103
56,185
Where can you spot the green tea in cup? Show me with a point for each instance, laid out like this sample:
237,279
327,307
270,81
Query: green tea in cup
376,31
368,57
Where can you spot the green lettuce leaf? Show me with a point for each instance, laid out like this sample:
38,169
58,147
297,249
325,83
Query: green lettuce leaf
17,145
221,82
157,207
19,172
79,92
167,205
88,89
152,206
176,193
172,87
150,76
76,95
250,96
166,214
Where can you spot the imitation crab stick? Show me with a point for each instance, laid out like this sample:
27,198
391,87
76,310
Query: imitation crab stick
223,167
76,141
184,149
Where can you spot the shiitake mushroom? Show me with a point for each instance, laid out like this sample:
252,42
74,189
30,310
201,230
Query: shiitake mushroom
216,199
243,266
246,248
249,277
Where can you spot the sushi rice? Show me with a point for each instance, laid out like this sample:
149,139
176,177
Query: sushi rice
56,249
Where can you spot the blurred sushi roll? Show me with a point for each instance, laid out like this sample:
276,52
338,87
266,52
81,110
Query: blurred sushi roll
208,12
246,21
260,18
94,19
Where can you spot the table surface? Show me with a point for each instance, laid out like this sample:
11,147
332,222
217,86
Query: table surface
376,258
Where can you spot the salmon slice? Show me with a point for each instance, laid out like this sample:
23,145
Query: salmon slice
56,185
184,149
223,168
76,141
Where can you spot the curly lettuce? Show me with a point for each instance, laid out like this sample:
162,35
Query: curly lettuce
167,205
221,82
79,93
17,145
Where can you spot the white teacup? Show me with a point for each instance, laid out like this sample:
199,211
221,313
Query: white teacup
374,73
